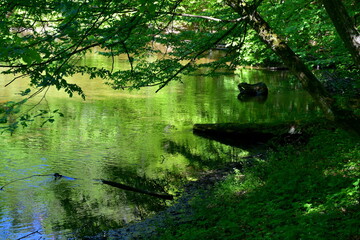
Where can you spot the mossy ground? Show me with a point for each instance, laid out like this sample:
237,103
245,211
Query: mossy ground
298,192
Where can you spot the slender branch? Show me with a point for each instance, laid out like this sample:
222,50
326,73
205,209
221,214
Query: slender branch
205,17
14,79
112,60
37,92
195,57
19,179
42,98
110,183
173,76
58,56
28,235
128,56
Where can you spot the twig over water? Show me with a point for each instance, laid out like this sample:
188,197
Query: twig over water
110,183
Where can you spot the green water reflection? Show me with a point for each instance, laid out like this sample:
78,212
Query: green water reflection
137,138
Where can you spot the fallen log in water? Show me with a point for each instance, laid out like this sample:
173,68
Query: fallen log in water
249,134
240,134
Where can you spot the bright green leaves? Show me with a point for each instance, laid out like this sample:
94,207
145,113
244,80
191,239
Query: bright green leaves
148,7
44,116
25,92
47,116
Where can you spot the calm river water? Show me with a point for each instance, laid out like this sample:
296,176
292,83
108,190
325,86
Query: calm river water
137,138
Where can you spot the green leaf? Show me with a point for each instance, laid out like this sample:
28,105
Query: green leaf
31,56
25,92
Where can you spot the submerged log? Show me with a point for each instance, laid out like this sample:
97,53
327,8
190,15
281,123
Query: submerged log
129,188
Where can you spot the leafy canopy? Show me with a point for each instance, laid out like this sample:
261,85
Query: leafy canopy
43,40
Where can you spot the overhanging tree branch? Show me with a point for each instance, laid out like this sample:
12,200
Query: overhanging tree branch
206,17
197,55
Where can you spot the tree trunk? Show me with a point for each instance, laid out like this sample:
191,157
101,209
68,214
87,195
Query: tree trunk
344,27
308,80
290,59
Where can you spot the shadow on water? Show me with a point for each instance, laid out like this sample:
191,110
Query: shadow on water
216,154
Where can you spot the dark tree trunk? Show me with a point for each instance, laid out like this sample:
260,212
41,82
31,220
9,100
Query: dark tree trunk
290,59
345,27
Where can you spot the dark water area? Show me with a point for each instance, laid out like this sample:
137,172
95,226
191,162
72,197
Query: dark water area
139,138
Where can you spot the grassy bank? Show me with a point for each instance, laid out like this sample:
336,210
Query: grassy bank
307,192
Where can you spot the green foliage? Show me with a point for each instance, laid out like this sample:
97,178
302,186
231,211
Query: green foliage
308,30
44,40
310,193
255,53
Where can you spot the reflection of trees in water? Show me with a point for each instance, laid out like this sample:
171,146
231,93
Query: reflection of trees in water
131,177
88,221
82,213
143,205
87,207
80,210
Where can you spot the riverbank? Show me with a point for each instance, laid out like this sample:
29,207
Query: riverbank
181,212
297,192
